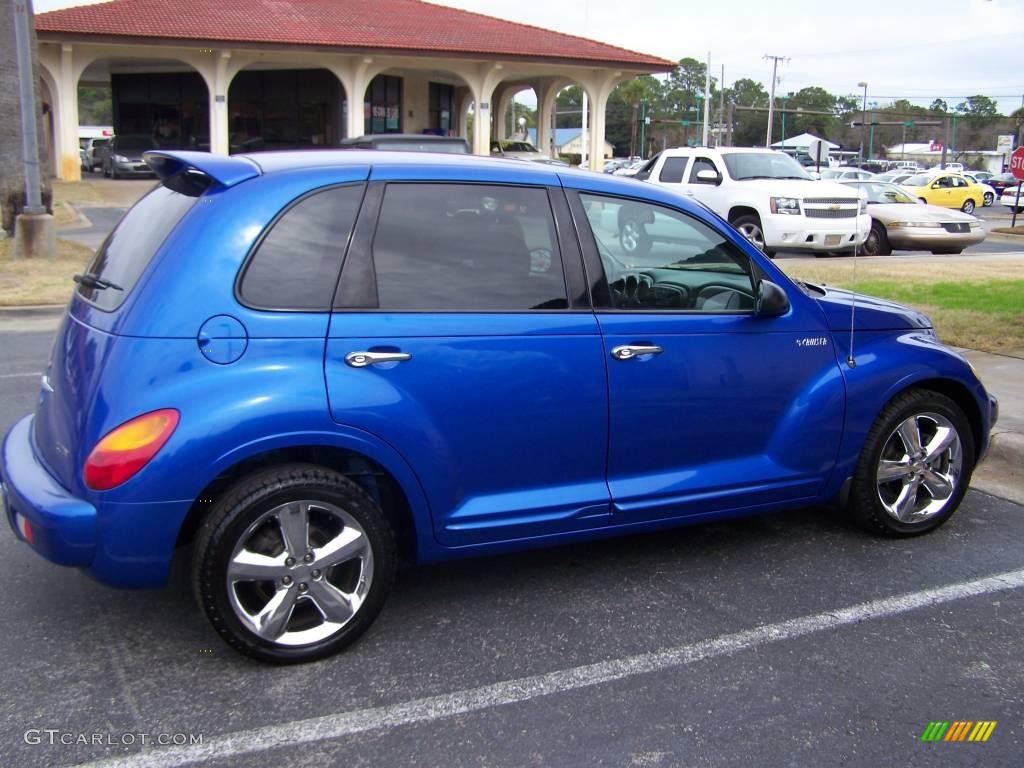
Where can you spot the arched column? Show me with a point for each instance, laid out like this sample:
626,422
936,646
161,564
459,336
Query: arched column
547,89
482,80
218,74
355,76
61,79
599,86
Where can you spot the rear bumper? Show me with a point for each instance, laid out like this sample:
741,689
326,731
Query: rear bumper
123,544
63,527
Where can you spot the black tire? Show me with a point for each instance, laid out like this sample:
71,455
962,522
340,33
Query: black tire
988,199
749,225
633,237
877,243
968,206
948,251
770,254
249,512
924,408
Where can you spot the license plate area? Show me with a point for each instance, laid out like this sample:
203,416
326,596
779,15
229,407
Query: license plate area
833,239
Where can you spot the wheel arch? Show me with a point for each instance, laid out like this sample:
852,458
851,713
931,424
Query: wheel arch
743,210
961,395
375,468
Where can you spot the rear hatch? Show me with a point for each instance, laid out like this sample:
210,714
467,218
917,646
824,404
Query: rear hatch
73,374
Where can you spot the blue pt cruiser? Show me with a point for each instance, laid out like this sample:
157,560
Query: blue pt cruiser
310,366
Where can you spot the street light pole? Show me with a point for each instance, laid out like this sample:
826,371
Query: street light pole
864,117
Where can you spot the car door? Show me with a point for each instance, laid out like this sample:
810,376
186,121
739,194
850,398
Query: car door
454,340
941,192
712,406
961,192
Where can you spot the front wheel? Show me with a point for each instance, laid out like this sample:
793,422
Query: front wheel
968,206
988,199
293,564
750,227
915,466
633,237
877,243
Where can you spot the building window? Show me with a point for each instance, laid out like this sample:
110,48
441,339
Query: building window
442,109
382,109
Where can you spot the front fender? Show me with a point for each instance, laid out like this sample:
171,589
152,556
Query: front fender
883,370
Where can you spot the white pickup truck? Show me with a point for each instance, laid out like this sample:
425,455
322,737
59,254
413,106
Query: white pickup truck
765,194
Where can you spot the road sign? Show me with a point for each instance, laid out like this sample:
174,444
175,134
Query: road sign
685,123
1017,163
908,123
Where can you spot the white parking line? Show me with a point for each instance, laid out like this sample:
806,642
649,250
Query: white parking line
37,374
526,688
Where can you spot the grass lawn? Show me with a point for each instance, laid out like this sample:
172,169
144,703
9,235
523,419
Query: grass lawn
40,281
977,304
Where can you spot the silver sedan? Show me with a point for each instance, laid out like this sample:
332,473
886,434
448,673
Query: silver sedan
901,222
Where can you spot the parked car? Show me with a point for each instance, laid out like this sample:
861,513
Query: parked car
520,150
1001,181
843,173
1009,199
947,190
765,194
91,153
900,222
633,168
313,365
123,156
409,142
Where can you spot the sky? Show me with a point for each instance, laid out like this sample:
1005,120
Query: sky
946,49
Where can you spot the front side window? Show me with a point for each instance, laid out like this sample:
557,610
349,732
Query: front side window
296,264
701,164
467,248
657,258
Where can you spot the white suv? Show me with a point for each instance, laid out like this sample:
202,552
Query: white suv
765,194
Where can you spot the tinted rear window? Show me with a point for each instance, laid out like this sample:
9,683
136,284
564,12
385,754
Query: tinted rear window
296,265
129,248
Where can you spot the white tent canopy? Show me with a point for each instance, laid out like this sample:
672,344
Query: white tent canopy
802,142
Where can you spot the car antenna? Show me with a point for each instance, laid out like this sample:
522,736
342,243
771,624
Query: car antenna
851,361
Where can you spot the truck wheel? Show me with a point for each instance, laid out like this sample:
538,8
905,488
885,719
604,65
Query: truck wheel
633,237
293,563
749,226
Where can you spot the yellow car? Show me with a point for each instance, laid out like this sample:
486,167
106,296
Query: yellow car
949,190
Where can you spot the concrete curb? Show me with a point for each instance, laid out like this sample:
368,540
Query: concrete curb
1008,447
33,310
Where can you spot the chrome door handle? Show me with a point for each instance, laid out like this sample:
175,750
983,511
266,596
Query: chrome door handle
629,351
363,359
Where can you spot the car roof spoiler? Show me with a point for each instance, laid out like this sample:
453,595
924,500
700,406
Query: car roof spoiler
225,171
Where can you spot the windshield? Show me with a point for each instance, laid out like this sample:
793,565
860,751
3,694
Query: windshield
517,146
880,192
920,180
763,165
135,142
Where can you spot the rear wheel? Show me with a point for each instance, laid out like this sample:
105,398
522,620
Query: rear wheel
968,206
988,199
293,564
877,243
633,237
915,466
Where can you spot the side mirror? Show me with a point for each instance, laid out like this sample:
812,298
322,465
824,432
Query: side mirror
709,177
771,300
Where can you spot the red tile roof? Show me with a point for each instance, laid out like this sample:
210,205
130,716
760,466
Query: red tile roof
393,25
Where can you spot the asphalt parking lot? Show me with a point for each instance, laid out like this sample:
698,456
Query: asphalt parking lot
785,640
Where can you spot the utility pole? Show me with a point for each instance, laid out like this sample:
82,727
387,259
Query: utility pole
707,101
864,117
34,233
721,109
771,101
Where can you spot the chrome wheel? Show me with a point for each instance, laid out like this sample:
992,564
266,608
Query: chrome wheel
300,573
968,206
631,235
750,228
989,199
919,468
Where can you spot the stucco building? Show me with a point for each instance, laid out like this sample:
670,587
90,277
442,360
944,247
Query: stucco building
240,75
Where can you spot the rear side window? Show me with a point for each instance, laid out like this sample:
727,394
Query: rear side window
296,264
127,251
672,170
466,248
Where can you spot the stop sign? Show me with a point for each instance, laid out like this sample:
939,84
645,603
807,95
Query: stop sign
1017,163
